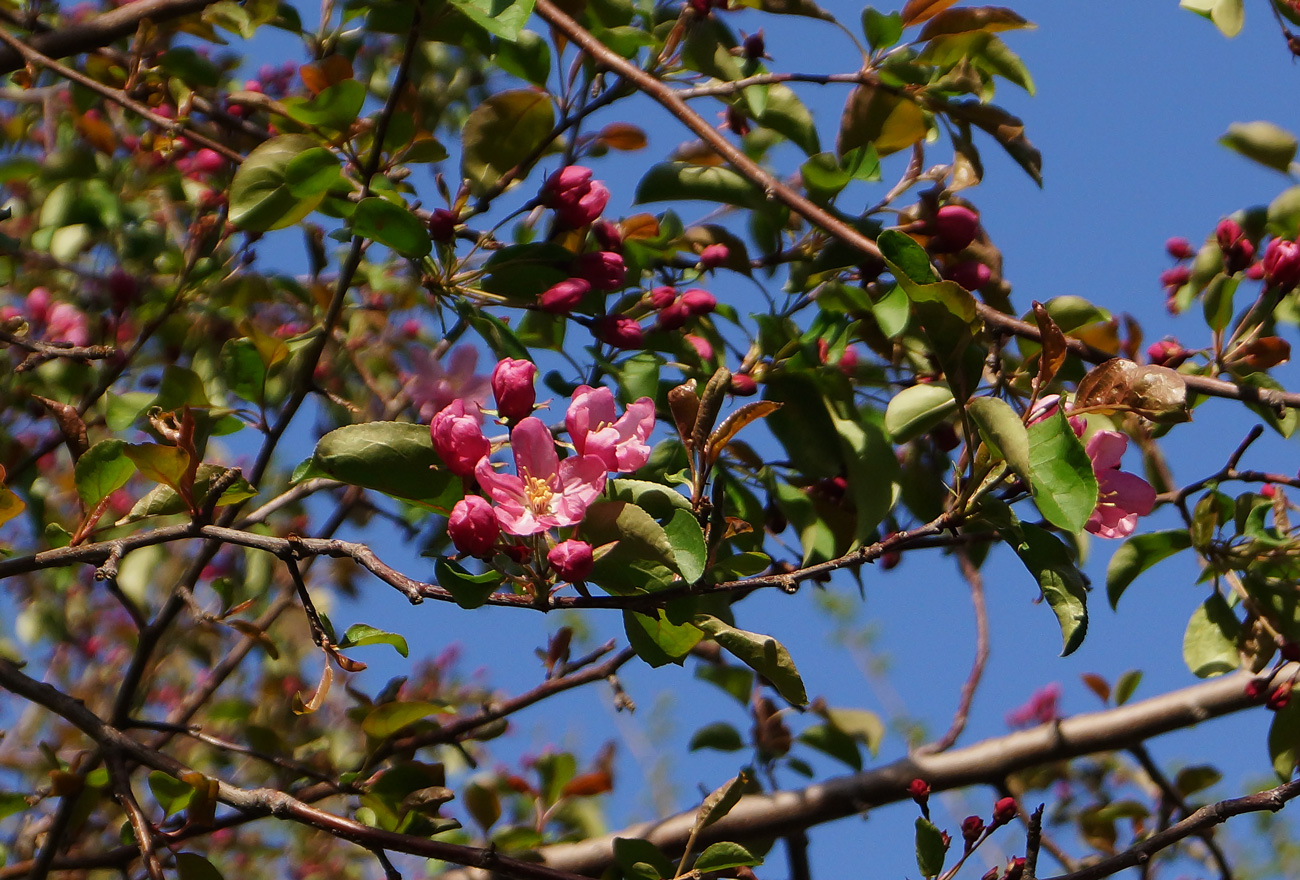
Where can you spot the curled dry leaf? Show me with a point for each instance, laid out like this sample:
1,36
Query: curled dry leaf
710,402
1156,393
684,403
732,424
1054,347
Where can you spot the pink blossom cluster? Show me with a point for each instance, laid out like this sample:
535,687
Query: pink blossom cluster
953,229
51,321
545,492
1043,707
1278,267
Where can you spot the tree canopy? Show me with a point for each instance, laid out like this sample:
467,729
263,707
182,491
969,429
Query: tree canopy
420,308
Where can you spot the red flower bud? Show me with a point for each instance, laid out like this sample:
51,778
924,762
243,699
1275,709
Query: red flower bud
604,270
1004,811
1238,251
1180,249
608,235
737,121
971,829
512,386
564,297
754,47
704,349
919,790
1282,264
714,256
442,225
1015,869
1167,353
620,331
970,274
473,526
662,297
1172,279
576,199
1268,490
954,229
699,302
743,385
572,560
673,316
1280,697
458,439
1256,688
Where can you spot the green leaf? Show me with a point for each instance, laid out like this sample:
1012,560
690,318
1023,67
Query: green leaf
469,590
887,121
164,500
312,173
1003,432
910,266
930,848
629,854
657,640
261,198
1284,739
387,719
643,558
336,108
395,458
190,67
687,540
918,408
830,740
102,470
501,18
719,735
677,181
192,866
528,57
1126,685
1139,553
522,272
723,855
741,565
162,464
1218,301
881,30
785,114
391,225
720,801
1060,474
1210,642
656,499
172,794
1285,421
362,634
764,654
503,132
1196,778
1284,214
872,467
863,726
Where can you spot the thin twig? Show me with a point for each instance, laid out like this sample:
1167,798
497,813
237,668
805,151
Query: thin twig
976,582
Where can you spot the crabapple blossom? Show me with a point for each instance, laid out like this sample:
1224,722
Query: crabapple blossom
512,386
472,526
433,386
576,199
563,297
595,429
1121,497
571,559
458,439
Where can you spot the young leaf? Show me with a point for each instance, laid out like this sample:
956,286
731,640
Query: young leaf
1003,431
1060,474
918,408
724,855
502,133
764,654
469,590
719,735
930,848
1139,553
721,800
102,470
387,719
362,634
1210,642
657,640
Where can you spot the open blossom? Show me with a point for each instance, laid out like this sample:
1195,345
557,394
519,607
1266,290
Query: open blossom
545,493
1121,497
595,429
434,385
458,439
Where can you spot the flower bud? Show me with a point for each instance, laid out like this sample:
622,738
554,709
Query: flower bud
699,302
608,235
714,256
970,274
1015,869
620,331
572,560
1280,696
673,316
662,297
1256,688
919,790
971,829
576,199
442,225
564,297
704,349
458,439
603,270
1004,811
512,386
1282,264
1238,251
1268,490
755,47
737,121
1172,279
1167,353
743,385
1180,249
954,229
473,526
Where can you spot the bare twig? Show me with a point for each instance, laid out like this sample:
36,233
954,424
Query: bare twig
976,582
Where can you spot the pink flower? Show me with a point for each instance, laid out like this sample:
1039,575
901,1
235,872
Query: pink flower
703,348
472,526
1282,264
572,560
564,297
575,197
458,439
546,493
1042,708
432,386
618,441
603,270
67,324
1121,497
512,385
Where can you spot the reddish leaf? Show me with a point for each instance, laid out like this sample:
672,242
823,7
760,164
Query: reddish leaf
1054,348
622,136
1263,353
1097,685
917,11
330,70
981,18
588,784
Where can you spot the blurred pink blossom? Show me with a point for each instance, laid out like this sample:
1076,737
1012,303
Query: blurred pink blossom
432,386
1042,708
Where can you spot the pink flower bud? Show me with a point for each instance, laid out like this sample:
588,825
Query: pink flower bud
458,439
608,235
1015,869
1180,249
1167,353
1282,264
1279,698
572,560
971,829
512,385
1172,279
36,308
704,349
1238,251
620,331
564,297
737,121
714,256
662,297
576,199
699,302
673,316
970,274
954,229
1255,271
442,225
1256,688
1004,811
743,385
604,270
919,790
472,526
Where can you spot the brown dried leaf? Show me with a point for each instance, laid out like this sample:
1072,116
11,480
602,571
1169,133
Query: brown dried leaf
1157,393
1054,347
318,698
1097,685
917,11
684,403
733,423
981,18
588,784
623,136
697,153
70,425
